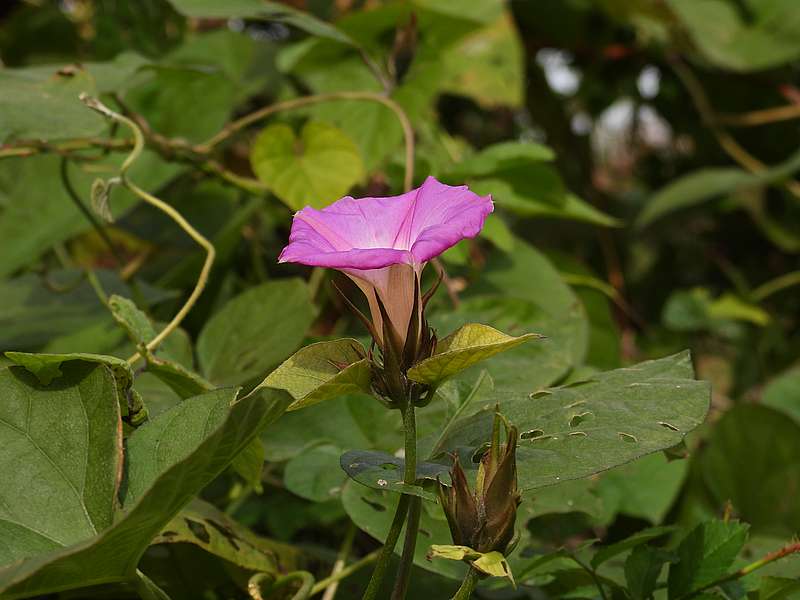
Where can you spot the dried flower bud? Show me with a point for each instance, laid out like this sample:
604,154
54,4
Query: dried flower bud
484,520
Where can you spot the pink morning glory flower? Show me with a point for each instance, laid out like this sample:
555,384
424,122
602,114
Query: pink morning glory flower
384,243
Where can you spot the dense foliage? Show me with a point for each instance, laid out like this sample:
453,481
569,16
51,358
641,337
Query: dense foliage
181,416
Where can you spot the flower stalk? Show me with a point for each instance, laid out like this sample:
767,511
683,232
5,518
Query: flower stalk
469,584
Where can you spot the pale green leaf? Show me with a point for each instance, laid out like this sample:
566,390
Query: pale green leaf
322,371
460,350
315,169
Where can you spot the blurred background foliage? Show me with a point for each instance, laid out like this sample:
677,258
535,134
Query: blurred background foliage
641,154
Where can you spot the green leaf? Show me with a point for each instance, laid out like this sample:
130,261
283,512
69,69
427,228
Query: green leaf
536,190
204,526
783,393
372,512
646,488
705,555
778,588
315,473
535,365
260,9
382,471
322,371
315,169
641,537
501,156
751,459
705,184
642,570
494,564
140,330
112,555
587,427
460,350
249,464
487,65
35,194
62,460
255,331
767,38
42,103
48,367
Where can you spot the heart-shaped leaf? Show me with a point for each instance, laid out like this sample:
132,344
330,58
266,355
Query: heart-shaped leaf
460,350
315,169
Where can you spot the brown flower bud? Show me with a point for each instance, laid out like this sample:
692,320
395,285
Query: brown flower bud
484,520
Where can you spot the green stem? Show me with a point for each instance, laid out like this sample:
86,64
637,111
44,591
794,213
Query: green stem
345,572
468,586
762,292
385,556
341,559
415,504
409,546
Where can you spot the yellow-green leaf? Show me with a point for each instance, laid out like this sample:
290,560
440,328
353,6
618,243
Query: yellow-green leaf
451,552
315,169
468,345
322,371
494,564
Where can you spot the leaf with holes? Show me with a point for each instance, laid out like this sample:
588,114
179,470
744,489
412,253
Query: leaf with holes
586,427
203,525
315,169
322,371
460,350
382,471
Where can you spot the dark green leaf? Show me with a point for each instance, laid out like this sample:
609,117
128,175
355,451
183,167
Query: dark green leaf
382,471
62,460
113,554
255,331
751,460
584,428
705,555
642,569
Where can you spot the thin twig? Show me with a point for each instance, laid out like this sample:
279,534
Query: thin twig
761,117
346,572
773,286
29,148
166,209
731,147
341,559
258,115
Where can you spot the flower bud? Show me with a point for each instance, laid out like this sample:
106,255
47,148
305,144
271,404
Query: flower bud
484,520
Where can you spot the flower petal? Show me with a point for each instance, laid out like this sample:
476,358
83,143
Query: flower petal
371,233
